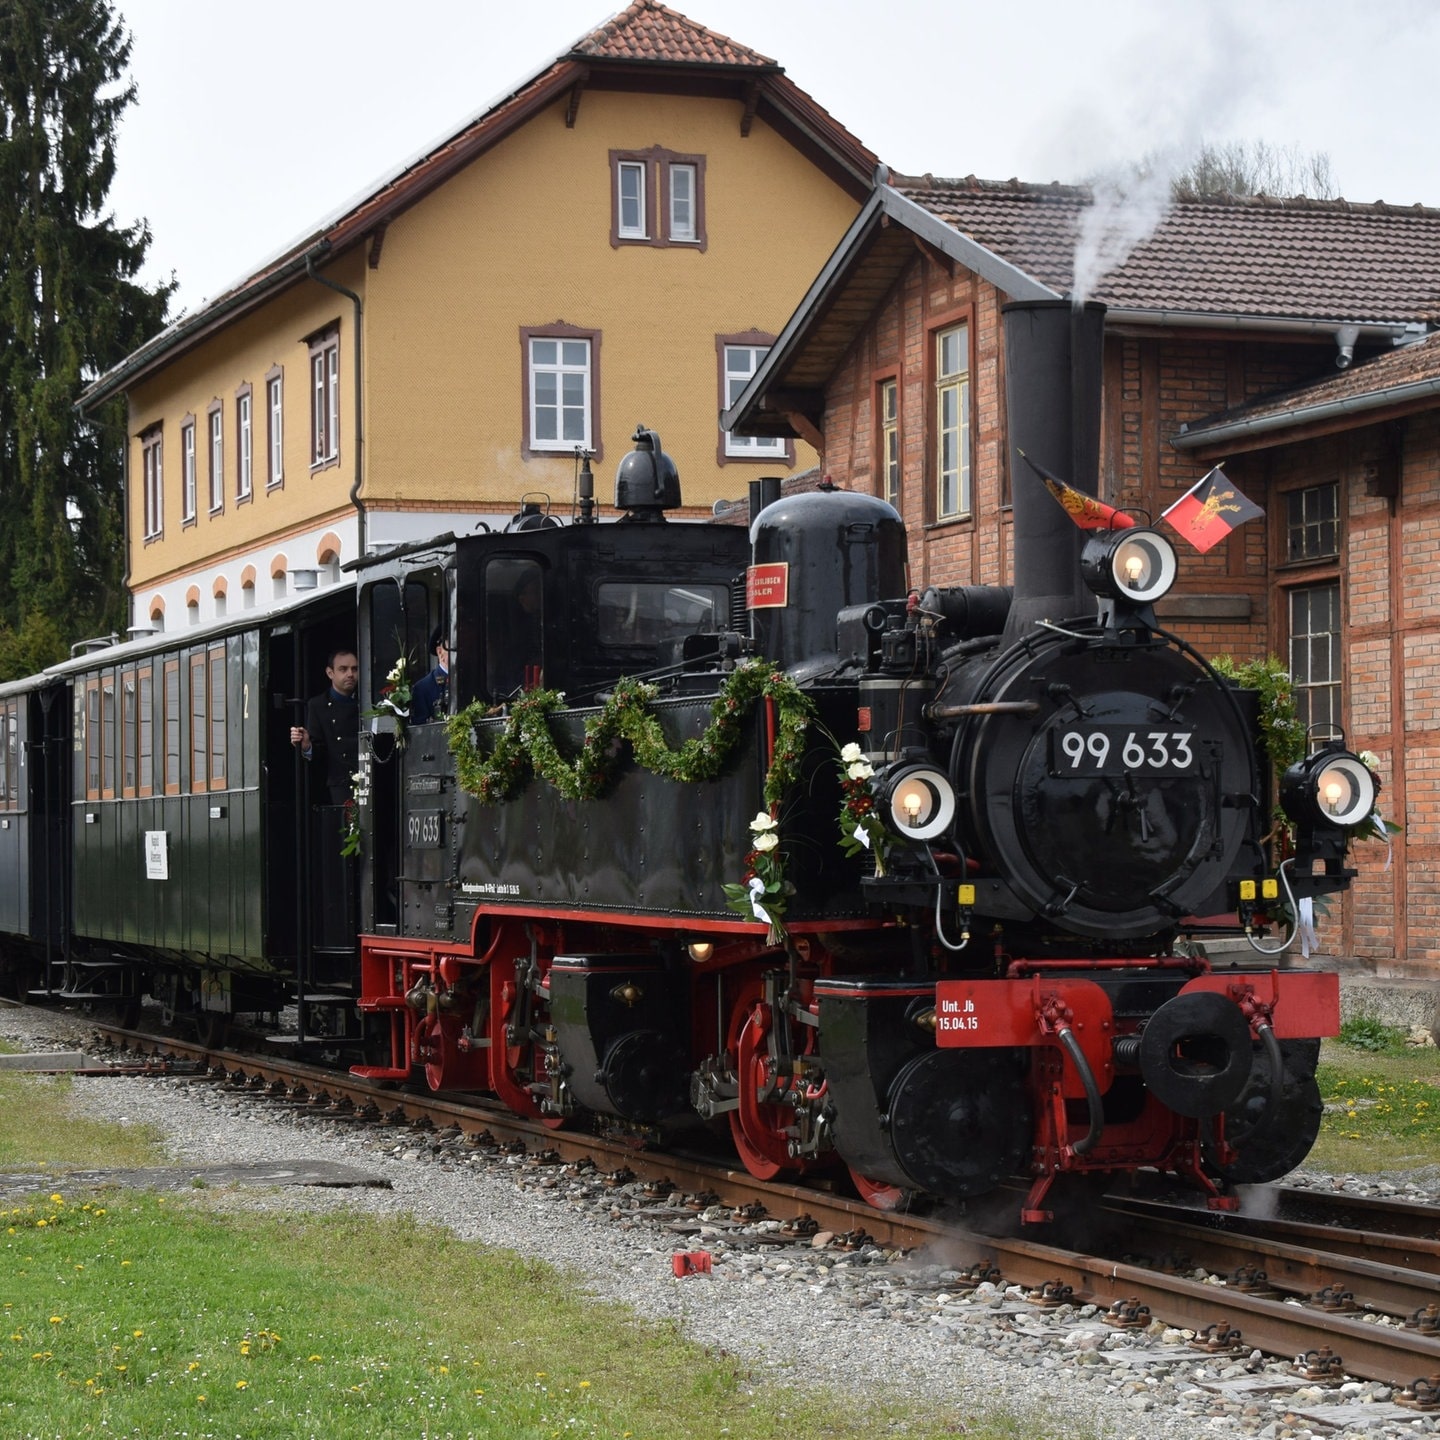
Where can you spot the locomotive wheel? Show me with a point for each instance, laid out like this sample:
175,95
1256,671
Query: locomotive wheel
961,1120
880,1194
212,1027
757,1127
122,1012
446,1066
1273,1140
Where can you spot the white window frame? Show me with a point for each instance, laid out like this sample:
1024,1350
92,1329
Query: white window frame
187,469
153,463
634,229
889,406
217,459
275,409
681,229
1317,657
952,423
564,367
325,402
244,444
739,364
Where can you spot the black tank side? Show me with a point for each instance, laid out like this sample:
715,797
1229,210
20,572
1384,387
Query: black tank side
839,549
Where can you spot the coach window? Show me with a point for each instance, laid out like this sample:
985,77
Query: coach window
199,724
145,755
10,756
218,709
129,722
107,736
172,727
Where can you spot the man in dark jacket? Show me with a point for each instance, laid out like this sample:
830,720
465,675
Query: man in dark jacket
331,732
427,699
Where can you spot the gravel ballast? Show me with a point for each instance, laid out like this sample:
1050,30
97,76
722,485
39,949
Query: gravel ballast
861,1321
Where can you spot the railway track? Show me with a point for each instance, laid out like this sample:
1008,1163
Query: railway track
1345,1286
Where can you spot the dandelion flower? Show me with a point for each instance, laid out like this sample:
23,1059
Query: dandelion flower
57,1199
242,1384
57,1319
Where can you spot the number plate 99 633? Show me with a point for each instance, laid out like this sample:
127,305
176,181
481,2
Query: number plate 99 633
423,829
1121,750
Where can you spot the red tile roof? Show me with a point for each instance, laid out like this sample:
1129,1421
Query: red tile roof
646,34
1222,255
648,30
1408,377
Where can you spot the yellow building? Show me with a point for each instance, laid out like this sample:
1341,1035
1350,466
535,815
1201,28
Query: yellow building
615,243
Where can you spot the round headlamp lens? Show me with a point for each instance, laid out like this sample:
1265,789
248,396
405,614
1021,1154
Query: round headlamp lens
920,802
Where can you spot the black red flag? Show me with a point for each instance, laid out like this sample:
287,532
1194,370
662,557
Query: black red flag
1209,510
1085,510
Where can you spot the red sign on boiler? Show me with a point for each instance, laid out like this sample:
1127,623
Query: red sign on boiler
767,587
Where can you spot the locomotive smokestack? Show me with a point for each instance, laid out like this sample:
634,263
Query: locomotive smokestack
1053,353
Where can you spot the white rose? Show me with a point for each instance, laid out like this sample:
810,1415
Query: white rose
851,753
860,770
763,822
766,842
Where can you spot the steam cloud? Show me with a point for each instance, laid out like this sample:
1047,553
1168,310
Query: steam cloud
1126,210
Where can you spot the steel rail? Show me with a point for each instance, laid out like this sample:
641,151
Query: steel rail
1365,1348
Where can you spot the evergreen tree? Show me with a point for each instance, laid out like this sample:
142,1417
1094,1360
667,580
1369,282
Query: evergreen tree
70,307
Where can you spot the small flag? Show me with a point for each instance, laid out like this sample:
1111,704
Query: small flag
1085,510
1209,510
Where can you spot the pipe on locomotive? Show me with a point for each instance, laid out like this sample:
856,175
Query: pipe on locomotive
1054,352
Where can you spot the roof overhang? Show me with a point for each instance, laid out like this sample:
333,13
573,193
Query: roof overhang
761,90
786,395
1275,427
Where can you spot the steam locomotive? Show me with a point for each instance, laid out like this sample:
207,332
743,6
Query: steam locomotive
727,833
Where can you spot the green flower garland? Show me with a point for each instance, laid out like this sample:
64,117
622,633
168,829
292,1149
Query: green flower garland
525,745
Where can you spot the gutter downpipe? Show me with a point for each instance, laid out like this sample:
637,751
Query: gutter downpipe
354,299
1307,414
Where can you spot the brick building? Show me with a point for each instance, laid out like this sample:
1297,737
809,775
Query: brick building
1284,338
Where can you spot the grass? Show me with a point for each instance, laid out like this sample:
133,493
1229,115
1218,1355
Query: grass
1382,1102
36,1132
133,1314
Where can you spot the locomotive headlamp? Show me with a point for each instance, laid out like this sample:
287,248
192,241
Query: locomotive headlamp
1137,566
1331,787
918,800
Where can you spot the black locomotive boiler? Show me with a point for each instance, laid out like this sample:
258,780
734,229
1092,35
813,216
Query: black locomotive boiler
869,878
724,833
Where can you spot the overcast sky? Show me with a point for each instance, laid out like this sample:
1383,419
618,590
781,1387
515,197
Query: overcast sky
213,153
